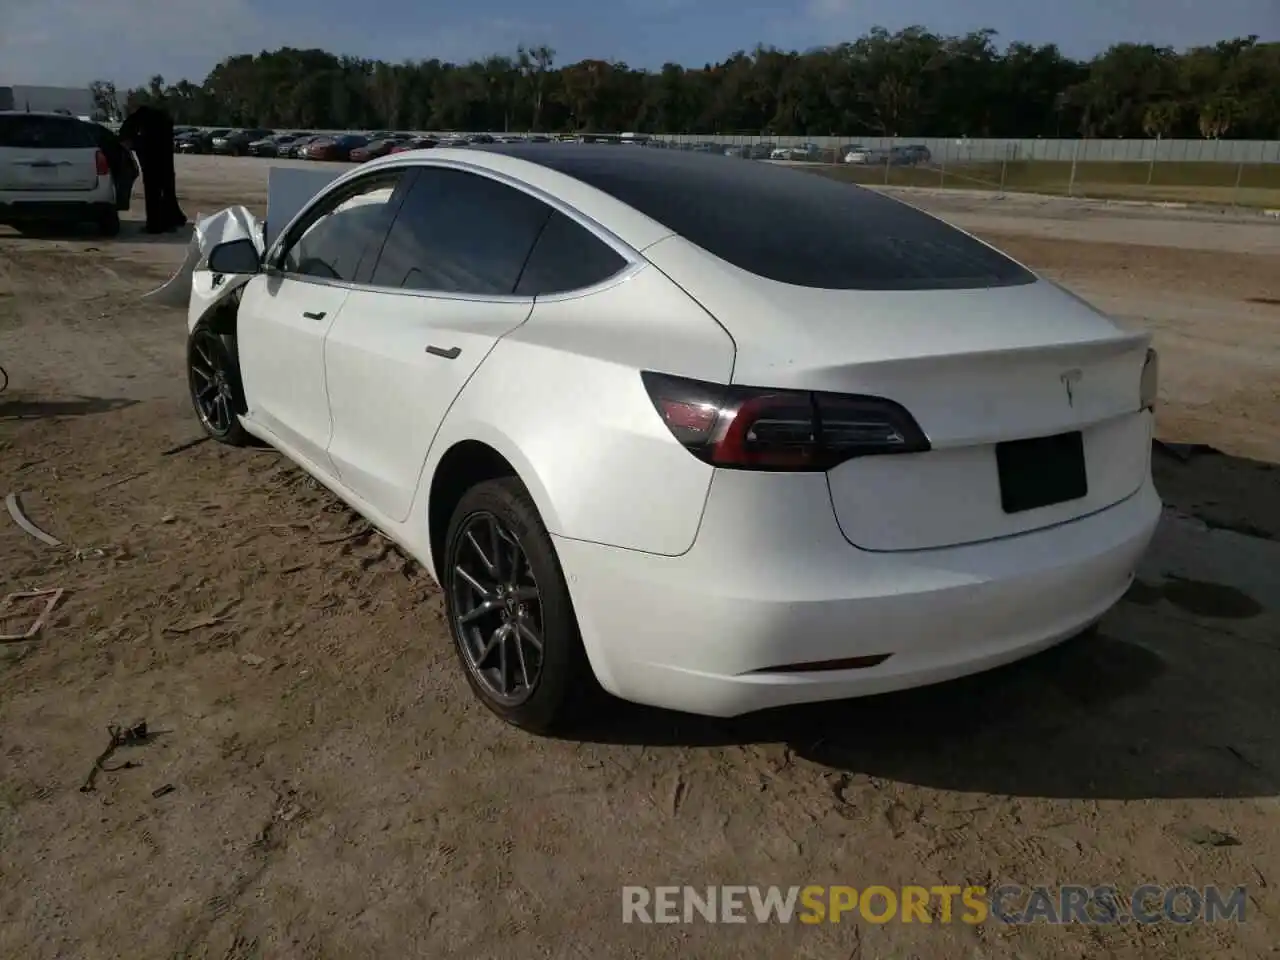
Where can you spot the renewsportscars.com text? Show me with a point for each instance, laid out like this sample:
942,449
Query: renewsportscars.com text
1008,903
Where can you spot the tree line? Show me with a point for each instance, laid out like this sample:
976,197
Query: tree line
911,83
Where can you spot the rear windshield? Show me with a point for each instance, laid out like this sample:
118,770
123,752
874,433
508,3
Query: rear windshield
35,132
786,225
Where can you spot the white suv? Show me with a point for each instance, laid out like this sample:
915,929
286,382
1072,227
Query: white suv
52,169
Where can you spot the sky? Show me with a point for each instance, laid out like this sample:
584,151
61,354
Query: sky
71,42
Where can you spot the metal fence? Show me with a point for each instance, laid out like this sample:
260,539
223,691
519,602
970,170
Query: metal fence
1079,150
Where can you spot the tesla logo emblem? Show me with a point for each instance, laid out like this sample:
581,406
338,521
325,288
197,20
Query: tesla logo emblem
1069,380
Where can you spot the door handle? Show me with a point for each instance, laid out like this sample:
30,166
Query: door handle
450,354
319,315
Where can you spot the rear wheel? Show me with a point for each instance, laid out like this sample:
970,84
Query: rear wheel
213,375
108,222
513,624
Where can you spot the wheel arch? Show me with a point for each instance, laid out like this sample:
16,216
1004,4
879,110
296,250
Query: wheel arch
465,460
221,317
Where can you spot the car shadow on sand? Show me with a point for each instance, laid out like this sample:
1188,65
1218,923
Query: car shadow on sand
131,231
1097,718
26,409
1174,696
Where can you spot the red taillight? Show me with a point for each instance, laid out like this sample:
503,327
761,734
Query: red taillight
751,428
100,162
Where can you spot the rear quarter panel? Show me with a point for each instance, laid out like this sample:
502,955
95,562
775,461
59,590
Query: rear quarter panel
561,398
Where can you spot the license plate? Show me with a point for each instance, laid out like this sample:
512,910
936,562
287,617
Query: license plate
1041,472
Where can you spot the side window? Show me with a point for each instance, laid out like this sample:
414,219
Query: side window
567,257
331,243
460,232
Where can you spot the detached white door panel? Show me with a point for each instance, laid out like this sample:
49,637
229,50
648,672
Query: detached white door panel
395,363
280,336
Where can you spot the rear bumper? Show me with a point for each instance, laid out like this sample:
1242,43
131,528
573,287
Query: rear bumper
47,206
771,582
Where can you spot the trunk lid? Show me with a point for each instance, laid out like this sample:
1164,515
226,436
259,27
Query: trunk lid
977,368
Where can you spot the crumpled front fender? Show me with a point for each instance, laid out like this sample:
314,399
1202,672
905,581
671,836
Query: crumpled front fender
289,191
194,286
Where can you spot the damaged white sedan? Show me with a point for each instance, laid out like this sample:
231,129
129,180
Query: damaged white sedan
640,440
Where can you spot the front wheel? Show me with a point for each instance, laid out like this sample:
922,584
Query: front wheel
513,624
213,376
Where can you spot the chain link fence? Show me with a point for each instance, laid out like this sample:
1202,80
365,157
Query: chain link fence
1230,173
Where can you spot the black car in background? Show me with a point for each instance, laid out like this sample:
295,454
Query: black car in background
236,142
277,145
201,141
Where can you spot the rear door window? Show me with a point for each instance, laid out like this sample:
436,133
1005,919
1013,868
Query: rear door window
460,233
567,257
36,132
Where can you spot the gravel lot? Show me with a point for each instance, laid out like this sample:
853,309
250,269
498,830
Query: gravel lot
337,793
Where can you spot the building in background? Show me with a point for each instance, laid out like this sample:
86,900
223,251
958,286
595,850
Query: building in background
78,101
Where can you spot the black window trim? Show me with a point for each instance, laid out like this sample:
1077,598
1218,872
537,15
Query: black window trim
632,259
322,205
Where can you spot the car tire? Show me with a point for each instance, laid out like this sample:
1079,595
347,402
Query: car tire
213,364
108,222
564,680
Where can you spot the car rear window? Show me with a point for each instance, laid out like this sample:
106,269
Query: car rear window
786,225
35,132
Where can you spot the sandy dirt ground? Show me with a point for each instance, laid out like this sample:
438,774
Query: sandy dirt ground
318,782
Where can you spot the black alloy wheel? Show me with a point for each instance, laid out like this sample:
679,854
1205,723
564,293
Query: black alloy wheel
497,610
214,380
510,614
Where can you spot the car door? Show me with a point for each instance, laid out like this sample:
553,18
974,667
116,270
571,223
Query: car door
442,293
286,312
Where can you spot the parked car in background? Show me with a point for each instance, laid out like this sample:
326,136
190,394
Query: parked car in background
867,156
539,138
53,169
482,138
313,148
202,140
751,151
274,145
336,148
912,154
235,143
455,142
805,151
416,143
377,148
295,150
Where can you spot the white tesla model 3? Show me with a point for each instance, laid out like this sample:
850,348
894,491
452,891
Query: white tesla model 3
721,436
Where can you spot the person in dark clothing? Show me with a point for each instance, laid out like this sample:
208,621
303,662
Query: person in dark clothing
148,131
